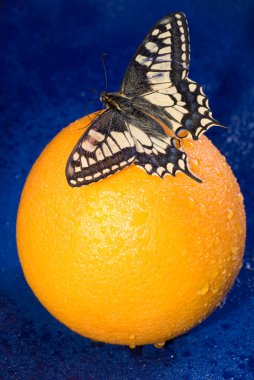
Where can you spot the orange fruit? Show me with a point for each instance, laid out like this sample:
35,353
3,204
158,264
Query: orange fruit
132,259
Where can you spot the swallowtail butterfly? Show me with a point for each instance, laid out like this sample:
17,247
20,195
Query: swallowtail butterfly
155,87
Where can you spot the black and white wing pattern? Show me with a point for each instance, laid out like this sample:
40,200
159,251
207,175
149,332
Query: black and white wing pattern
156,153
105,148
157,80
162,59
113,142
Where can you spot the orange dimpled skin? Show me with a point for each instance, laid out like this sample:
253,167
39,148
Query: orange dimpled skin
132,259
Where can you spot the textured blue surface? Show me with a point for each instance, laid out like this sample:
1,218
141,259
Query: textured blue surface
49,65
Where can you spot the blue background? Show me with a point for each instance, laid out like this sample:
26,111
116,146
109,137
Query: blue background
49,66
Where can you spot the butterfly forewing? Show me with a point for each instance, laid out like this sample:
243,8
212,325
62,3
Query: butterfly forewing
104,149
162,59
157,80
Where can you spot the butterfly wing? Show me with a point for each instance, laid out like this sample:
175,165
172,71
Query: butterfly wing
105,148
162,59
156,153
112,143
157,80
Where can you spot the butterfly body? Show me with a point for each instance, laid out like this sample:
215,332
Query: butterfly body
116,100
155,90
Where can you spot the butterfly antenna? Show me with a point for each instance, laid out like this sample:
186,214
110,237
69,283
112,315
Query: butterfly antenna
105,71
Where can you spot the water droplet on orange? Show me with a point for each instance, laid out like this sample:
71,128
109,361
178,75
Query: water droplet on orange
215,290
194,163
204,290
240,196
229,213
159,344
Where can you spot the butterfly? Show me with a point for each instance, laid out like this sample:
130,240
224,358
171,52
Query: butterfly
155,90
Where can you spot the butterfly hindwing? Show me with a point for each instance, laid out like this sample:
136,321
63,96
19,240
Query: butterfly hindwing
156,153
105,148
183,108
198,118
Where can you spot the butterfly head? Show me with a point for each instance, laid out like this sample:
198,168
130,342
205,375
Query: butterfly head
107,99
103,97
114,100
